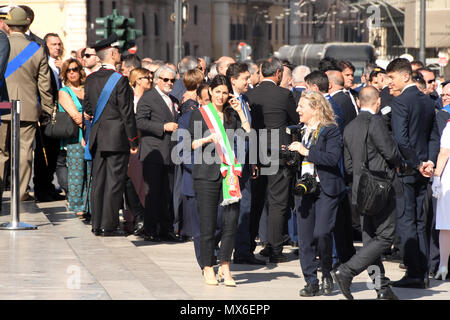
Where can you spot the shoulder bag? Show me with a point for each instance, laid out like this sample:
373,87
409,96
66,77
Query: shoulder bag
61,126
374,188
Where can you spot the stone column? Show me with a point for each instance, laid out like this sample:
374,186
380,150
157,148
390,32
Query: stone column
221,28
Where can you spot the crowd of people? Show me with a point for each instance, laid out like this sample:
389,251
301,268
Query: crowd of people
171,148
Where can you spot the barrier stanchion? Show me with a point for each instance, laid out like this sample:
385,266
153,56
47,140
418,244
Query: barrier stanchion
15,223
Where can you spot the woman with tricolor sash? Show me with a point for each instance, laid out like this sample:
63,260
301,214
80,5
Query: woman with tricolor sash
216,183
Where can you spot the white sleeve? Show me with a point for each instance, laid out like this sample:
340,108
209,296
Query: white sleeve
445,138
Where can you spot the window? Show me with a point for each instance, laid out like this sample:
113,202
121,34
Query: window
114,5
276,32
101,7
187,49
195,14
156,25
144,25
269,31
88,10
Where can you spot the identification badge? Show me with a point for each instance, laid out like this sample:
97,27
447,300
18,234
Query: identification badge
307,167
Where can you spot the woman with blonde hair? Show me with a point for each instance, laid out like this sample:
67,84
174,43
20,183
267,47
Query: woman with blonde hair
140,81
319,188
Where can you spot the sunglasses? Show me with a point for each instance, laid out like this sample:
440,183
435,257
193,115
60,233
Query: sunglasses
88,55
431,81
147,77
172,80
76,69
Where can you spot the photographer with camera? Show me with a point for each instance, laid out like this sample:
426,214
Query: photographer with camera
321,187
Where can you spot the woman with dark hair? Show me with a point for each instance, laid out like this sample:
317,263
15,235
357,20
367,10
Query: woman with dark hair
70,100
216,182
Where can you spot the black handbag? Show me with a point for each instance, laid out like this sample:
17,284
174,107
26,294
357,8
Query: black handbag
374,188
61,126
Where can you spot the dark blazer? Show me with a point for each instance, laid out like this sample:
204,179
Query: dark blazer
35,38
338,114
116,129
297,93
273,107
4,56
441,120
326,155
187,160
203,171
152,114
382,152
414,127
347,107
386,106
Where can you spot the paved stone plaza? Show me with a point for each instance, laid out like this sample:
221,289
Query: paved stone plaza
62,259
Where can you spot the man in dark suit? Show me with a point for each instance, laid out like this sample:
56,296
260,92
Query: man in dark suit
415,131
382,155
336,92
298,81
273,108
157,118
239,76
113,137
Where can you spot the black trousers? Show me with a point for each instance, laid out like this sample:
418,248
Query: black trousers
109,170
158,217
316,217
378,234
279,188
132,200
258,200
411,227
209,197
44,171
343,231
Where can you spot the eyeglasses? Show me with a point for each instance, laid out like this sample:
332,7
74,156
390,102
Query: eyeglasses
147,77
431,81
88,55
76,69
172,80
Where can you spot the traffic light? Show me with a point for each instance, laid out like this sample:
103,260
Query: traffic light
121,26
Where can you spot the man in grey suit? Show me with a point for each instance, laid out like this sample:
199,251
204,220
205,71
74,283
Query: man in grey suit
156,118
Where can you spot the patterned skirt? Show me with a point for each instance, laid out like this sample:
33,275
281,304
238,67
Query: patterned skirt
78,177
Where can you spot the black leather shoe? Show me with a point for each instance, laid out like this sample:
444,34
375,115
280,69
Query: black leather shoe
152,238
386,294
113,233
278,258
402,266
266,252
171,237
310,290
249,260
343,283
327,285
138,228
96,232
408,282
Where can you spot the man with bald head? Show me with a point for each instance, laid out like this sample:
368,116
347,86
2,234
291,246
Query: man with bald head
368,131
223,63
336,91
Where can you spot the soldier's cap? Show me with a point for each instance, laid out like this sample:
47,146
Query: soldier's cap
14,16
111,42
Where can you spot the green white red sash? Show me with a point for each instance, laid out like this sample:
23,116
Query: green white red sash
229,167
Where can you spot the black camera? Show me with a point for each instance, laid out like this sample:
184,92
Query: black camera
292,158
307,184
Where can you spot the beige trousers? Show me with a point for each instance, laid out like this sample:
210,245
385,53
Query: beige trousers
27,133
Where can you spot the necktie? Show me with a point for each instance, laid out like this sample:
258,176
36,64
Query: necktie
246,111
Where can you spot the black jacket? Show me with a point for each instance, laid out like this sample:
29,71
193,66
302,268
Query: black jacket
272,107
152,114
347,107
326,155
414,127
202,170
4,56
382,152
115,130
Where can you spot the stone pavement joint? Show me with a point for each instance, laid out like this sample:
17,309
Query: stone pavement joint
62,259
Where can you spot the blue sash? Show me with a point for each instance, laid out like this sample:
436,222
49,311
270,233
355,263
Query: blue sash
20,59
101,103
